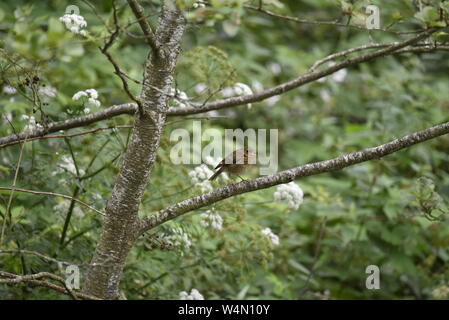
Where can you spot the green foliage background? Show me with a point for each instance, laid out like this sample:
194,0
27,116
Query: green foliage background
378,213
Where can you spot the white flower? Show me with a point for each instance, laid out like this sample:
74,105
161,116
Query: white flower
63,207
239,89
211,161
200,88
74,23
178,238
257,86
271,101
200,175
194,295
67,164
274,68
242,89
9,90
93,102
291,193
271,236
47,91
205,186
31,125
86,110
199,4
180,98
79,94
213,220
340,75
7,118
90,94
337,76
325,95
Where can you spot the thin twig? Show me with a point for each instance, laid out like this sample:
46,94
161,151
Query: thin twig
34,279
117,69
316,22
130,108
289,175
315,256
53,194
144,25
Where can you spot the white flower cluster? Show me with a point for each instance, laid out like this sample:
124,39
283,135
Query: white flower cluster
200,175
74,23
274,239
92,98
199,4
62,208
441,292
239,89
271,101
180,98
194,295
47,92
200,88
275,68
9,90
178,238
7,118
210,219
31,125
290,192
325,95
68,165
338,76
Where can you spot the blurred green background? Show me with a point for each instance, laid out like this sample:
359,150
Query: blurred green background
388,212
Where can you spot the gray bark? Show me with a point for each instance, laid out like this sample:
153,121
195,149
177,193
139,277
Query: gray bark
121,224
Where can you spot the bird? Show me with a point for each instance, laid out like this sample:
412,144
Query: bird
236,163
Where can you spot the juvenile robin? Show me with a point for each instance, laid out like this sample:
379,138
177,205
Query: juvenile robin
236,163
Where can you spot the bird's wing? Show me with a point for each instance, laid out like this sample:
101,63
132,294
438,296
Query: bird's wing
220,164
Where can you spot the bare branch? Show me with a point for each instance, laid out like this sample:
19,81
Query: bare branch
117,69
286,176
144,25
312,75
34,279
128,108
76,134
299,81
315,256
40,255
44,257
316,22
53,194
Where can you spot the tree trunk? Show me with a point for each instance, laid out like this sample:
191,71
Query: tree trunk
122,225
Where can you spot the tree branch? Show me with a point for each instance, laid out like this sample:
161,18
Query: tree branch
312,75
127,108
299,81
44,257
316,22
53,195
144,25
34,279
286,176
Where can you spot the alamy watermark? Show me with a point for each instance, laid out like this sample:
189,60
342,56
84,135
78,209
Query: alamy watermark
373,280
72,279
373,19
190,148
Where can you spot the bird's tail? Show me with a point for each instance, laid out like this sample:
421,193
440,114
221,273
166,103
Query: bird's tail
215,175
